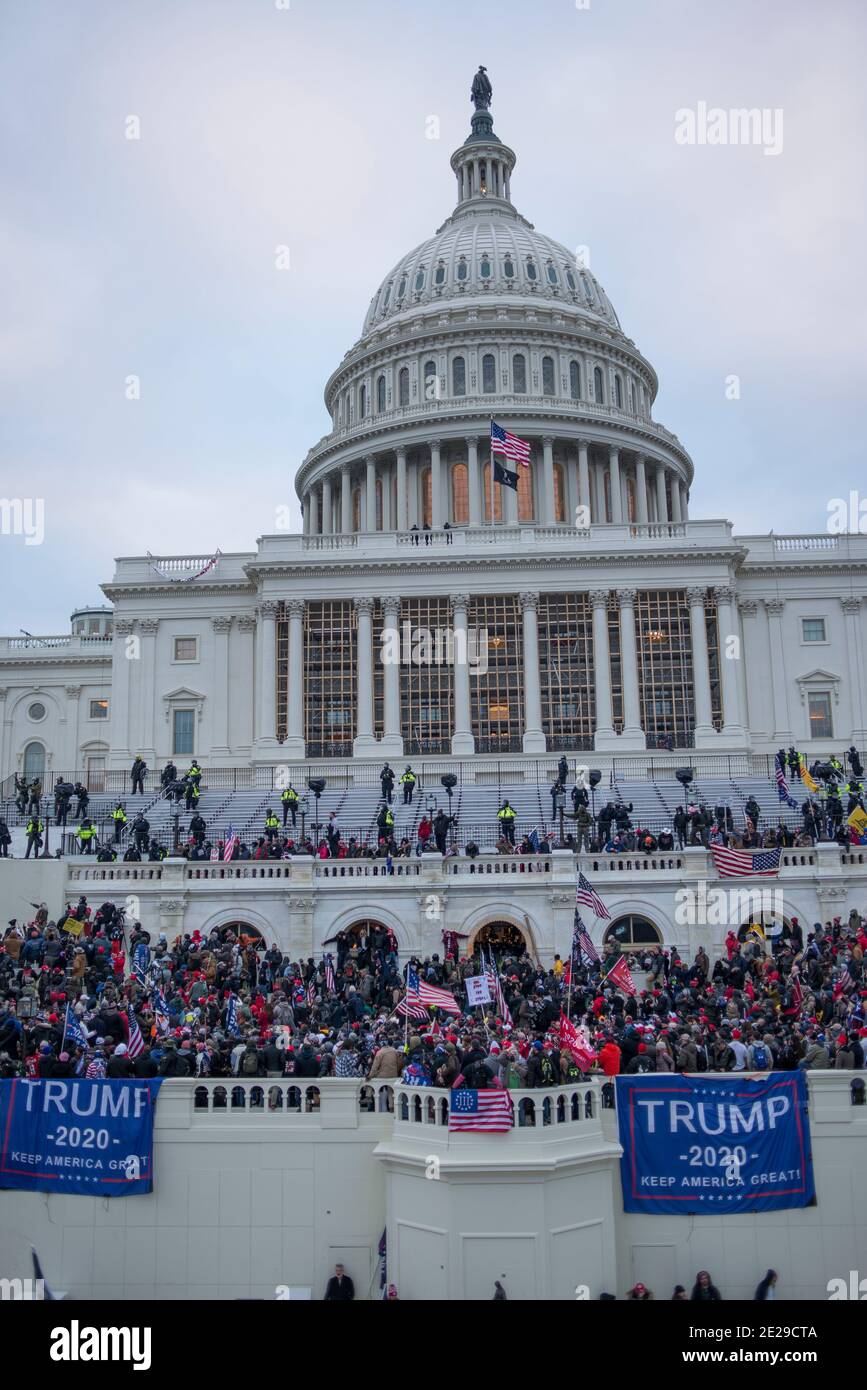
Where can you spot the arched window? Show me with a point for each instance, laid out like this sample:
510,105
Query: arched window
498,496
460,495
386,297
459,377
489,374
403,386
362,401
440,274
419,280
598,389
548,376
380,394
553,278
632,933
532,273
559,494
485,267
525,493
575,380
34,761
401,289
519,374
463,269
431,382
509,268
570,279
618,392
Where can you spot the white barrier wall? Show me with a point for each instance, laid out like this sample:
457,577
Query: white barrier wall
247,1199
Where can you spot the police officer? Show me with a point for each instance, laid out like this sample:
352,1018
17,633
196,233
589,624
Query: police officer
62,795
34,836
83,796
139,768
86,835
855,762
289,797
118,815
563,770
195,772
386,781
169,775
407,781
385,821
192,792
272,825
141,829
506,818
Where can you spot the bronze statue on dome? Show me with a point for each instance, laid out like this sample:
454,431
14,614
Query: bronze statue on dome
482,91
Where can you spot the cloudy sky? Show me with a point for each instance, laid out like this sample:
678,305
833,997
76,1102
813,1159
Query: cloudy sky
265,123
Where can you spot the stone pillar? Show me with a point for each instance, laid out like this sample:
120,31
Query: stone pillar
705,733
391,744
614,481
370,494
640,491
436,486
661,501
751,708
684,502
462,734
147,669
401,521
510,501
365,744
474,481
549,510
221,626
327,508
534,738
346,499
305,514
294,744
313,507
126,649
583,476
633,734
783,733
599,480
675,501
857,673
73,695
731,656
266,641
385,480
604,737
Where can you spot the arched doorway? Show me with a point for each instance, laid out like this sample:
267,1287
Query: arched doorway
359,939
632,933
501,938
237,930
34,761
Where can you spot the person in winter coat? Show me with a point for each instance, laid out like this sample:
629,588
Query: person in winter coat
119,1064
386,1065
609,1058
687,1054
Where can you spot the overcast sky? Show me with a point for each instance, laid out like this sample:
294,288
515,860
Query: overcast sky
263,126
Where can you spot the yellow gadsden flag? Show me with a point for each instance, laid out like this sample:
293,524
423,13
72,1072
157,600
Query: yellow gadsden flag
808,781
858,820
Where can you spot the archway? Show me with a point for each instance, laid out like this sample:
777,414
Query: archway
501,938
238,929
34,761
632,932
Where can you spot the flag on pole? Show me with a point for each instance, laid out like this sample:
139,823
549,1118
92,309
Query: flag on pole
140,962
495,985
232,1025
588,897
809,782
581,941
743,863
72,1029
574,1042
504,477
621,976
311,993
480,1112
509,445
430,994
410,1005
782,785
229,846
135,1044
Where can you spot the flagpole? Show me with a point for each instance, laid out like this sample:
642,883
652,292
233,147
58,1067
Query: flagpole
491,466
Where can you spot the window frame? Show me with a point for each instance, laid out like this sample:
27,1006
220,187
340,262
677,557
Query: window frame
818,641
185,660
98,718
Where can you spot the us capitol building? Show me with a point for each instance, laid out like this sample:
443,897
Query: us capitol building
605,620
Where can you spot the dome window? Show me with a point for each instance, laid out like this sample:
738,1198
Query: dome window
403,386
419,280
570,280
531,268
618,393
489,374
548,376
553,278
598,389
459,377
401,289
463,269
509,268
485,268
575,380
431,382
386,297
362,401
440,276
519,374
380,394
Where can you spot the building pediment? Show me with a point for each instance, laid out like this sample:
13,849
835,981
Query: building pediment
183,695
818,680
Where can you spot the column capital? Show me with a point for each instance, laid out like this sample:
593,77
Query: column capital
391,603
221,622
724,593
123,626
614,451
473,441
695,595
640,458
268,608
247,622
400,452
529,600
748,607
548,441
72,692
149,625
626,597
434,444
851,605
370,460
363,604
599,598
775,606
460,600
346,469
295,607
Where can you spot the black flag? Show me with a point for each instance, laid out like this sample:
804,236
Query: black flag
503,476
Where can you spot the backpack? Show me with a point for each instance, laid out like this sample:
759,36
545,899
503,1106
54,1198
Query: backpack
250,1064
760,1058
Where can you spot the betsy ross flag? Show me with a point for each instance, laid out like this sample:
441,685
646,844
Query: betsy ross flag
587,896
509,445
135,1044
782,785
621,976
480,1112
229,846
581,940
743,863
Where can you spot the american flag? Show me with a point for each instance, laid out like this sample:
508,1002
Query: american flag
782,785
229,846
581,940
329,974
588,897
742,863
311,992
502,442
136,1043
495,985
430,994
410,1005
621,976
481,1112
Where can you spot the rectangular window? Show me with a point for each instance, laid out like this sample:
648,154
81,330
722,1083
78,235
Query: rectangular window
330,655
819,705
186,649
813,629
183,725
99,709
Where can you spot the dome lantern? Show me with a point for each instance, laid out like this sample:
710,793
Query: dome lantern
483,164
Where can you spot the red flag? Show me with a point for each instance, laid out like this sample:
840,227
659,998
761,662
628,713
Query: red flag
572,1040
621,976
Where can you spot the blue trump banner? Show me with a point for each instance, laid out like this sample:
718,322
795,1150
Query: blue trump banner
92,1137
702,1145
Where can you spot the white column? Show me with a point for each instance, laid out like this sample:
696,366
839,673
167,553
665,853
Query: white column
510,502
616,493
473,481
783,732
633,734
401,521
327,508
640,491
604,736
266,640
462,734
294,744
731,657
391,744
345,499
661,502
385,479
601,509
370,494
684,502
73,695
147,666
705,733
364,740
549,511
305,514
675,500
436,486
125,651
583,475
412,476
313,501
857,674
221,625
534,738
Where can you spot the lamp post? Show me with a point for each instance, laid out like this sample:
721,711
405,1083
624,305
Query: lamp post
304,807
